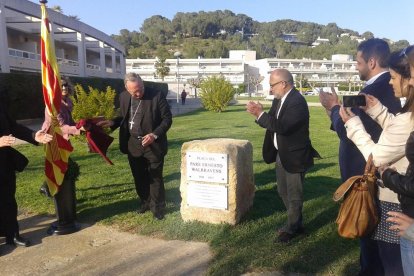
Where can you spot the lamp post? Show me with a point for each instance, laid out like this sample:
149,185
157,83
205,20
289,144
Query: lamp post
177,55
301,69
329,77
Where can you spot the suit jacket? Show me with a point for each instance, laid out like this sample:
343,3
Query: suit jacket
292,133
156,118
351,161
7,154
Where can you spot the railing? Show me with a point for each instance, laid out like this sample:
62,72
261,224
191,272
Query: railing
23,54
67,61
93,66
34,56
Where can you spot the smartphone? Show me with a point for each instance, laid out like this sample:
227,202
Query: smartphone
352,101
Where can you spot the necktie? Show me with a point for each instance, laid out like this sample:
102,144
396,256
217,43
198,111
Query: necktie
279,103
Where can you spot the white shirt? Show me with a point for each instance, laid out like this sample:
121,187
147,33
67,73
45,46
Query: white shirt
374,78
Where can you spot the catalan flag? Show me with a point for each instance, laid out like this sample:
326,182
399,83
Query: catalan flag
58,150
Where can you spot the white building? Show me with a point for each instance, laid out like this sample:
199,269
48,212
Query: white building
242,66
81,50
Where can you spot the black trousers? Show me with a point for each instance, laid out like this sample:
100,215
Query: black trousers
8,204
147,171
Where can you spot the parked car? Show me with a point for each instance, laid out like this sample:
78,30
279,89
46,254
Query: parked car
310,93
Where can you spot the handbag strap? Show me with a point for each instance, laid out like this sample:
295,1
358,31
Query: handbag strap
370,167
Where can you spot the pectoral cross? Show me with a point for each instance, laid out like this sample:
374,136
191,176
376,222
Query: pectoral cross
131,123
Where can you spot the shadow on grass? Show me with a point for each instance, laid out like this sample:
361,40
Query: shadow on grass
94,214
100,187
258,231
324,248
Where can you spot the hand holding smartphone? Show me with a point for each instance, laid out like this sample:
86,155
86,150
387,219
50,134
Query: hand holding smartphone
354,101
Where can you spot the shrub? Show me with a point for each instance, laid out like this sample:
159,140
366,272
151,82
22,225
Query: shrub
93,104
216,93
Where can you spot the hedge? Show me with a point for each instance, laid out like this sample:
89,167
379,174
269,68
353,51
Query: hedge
22,92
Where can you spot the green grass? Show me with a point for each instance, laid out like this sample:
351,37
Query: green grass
106,195
312,99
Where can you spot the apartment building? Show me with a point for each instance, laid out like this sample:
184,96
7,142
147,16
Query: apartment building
81,50
242,67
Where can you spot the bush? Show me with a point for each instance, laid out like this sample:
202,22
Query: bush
93,104
216,93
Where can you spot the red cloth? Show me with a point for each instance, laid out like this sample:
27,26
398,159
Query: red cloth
98,140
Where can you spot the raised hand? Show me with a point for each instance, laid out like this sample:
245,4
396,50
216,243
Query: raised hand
254,108
7,140
42,137
346,113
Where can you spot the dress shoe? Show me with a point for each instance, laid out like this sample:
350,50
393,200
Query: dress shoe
17,240
143,209
285,237
159,215
44,190
300,230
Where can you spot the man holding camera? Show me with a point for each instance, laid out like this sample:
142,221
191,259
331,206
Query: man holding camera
372,57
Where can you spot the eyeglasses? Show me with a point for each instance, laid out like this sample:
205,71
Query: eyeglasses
405,51
276,83
65,85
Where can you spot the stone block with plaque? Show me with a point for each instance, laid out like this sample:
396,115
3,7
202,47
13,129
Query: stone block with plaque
217,182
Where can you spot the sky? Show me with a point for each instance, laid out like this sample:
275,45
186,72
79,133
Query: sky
385,19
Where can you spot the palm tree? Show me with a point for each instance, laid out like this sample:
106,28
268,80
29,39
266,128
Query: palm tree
162,68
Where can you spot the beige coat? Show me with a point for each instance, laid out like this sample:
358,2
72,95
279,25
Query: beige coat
390,149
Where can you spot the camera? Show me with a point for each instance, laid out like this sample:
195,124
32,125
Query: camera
354,101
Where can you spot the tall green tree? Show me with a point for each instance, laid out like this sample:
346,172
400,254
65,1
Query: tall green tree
162,68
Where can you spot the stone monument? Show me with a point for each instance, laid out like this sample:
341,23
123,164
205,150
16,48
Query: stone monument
217,183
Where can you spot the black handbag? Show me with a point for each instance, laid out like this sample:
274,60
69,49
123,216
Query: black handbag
19,161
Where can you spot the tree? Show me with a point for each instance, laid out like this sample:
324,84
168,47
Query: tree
158,29
368,35
162,68
255,80
195,83
216,93
57,8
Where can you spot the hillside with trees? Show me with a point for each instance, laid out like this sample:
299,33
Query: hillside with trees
213,34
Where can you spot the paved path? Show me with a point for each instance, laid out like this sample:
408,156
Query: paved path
99,250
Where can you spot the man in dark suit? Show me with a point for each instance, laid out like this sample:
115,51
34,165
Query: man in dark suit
288,144
10,162
372,57
144,122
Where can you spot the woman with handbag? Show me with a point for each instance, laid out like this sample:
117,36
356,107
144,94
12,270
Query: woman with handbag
10,162
403,185
389,150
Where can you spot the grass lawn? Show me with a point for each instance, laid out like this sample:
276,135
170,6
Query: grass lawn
312,99
106,195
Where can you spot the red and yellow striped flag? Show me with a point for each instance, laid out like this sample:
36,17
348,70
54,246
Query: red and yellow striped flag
58,150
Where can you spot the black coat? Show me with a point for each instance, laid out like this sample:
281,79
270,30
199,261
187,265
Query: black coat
292,127
403,185
8,163
9,126
156,118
